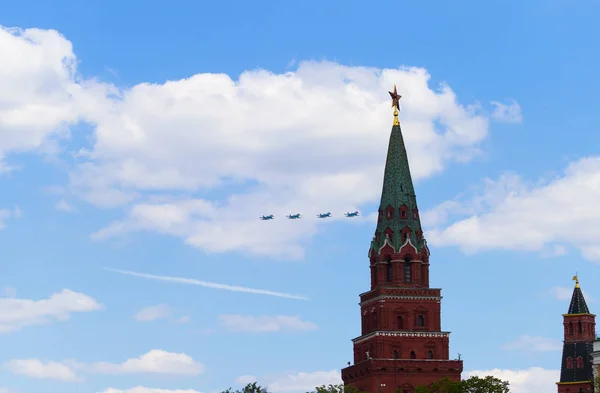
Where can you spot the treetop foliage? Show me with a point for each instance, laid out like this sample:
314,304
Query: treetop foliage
473,384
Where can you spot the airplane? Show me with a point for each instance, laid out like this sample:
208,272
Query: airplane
353,214
324,215
294,216
269,217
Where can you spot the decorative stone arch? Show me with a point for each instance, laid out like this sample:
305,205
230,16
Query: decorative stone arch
569,362
415,214
380,216
579,362
386,249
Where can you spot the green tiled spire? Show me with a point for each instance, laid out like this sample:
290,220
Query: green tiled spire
398,191
578,305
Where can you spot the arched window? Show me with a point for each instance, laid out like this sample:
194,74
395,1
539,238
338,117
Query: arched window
580,328
413,355
569,362
570,327
407,277
579,362
430,354
389,270
399,322
374,320
420,321
365,323
395,354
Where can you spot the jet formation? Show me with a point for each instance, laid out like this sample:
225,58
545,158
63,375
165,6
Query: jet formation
298,215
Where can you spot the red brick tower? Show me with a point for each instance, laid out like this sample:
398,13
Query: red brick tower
402,344
576,372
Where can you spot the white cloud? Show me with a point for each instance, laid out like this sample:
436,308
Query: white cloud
532,380
306,140
34,368
152,313
155,362
510,214
206,284
141,389
507,113
534,343
16,314
41,93
183,319
298,382
7,214
65,206
265,323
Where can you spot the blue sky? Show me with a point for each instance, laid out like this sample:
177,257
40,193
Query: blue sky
148,138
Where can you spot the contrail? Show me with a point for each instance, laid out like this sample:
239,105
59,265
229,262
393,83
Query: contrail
205,284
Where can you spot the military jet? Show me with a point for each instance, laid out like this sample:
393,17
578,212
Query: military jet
294,216
269,217
324,215
353,214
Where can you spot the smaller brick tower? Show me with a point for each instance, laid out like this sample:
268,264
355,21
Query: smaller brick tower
576,373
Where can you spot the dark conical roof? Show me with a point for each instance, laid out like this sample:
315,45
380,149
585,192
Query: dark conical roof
578,305
398,191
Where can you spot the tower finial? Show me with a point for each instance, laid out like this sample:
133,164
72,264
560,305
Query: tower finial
576,279
395,104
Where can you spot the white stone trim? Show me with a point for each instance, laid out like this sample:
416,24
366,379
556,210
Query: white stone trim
395,297
387,333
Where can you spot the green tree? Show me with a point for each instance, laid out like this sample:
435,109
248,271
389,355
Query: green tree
445,385
336,389
487,384
250,388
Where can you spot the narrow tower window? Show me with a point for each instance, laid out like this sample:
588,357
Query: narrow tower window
570,327
395,354
407,277
579,362
374,320
413,355
400,322
389,270
429,354
569,362
580,328
420,321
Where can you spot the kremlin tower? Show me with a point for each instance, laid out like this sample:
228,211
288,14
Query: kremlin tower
402,344
576,372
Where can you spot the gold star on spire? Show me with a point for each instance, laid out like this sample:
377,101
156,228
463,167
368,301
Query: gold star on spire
395,104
